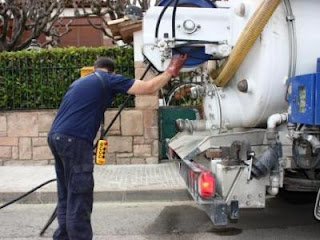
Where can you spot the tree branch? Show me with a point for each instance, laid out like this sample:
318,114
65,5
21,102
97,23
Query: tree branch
33,16
101,28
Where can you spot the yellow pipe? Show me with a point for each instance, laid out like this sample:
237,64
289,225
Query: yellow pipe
248,37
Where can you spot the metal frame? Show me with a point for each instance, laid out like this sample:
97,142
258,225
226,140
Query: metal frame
216,207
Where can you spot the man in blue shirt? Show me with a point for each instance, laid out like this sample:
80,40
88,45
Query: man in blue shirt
73,131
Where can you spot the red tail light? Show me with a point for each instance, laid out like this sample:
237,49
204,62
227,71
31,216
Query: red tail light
207,184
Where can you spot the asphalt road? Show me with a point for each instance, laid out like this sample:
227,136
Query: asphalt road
163,220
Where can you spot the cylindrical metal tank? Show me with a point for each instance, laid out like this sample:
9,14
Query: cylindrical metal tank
263,74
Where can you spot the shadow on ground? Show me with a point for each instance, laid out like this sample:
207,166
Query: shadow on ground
279,213
186,219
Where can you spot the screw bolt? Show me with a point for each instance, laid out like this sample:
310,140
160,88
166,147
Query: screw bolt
243,86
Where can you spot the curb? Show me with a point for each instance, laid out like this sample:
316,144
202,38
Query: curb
164,195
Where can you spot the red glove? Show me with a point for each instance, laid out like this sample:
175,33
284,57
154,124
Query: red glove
176,64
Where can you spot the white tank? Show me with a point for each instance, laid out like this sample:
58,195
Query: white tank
266,67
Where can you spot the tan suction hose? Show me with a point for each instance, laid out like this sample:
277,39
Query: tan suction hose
246,40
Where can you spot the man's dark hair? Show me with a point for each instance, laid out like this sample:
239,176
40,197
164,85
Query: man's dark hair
104,62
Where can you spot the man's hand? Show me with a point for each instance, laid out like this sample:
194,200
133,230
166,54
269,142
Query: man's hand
153,85
176,64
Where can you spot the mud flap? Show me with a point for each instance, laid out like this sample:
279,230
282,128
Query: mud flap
218,212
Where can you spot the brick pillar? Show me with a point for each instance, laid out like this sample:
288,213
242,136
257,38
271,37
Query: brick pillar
146,146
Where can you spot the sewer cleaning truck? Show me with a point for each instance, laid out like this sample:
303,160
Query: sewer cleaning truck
260,130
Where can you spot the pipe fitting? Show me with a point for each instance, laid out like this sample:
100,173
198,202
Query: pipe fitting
192,125
276,120
264,163
273,189
197,92
182,125
291,129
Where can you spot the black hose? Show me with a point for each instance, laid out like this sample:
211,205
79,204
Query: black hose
160,17
26,194
174,19
264,163
54,214
51,219
124,104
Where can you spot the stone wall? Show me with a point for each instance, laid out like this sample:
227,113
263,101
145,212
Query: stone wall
133,139
23,137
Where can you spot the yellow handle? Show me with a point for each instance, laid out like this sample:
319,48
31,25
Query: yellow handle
101,153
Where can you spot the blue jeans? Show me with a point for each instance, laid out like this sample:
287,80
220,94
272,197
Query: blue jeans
74,169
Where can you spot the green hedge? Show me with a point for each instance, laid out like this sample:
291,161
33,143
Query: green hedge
39,79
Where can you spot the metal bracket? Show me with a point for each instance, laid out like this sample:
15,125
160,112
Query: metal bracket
234,184
234,210
291,18
317,207
249,163
217,212
165,45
